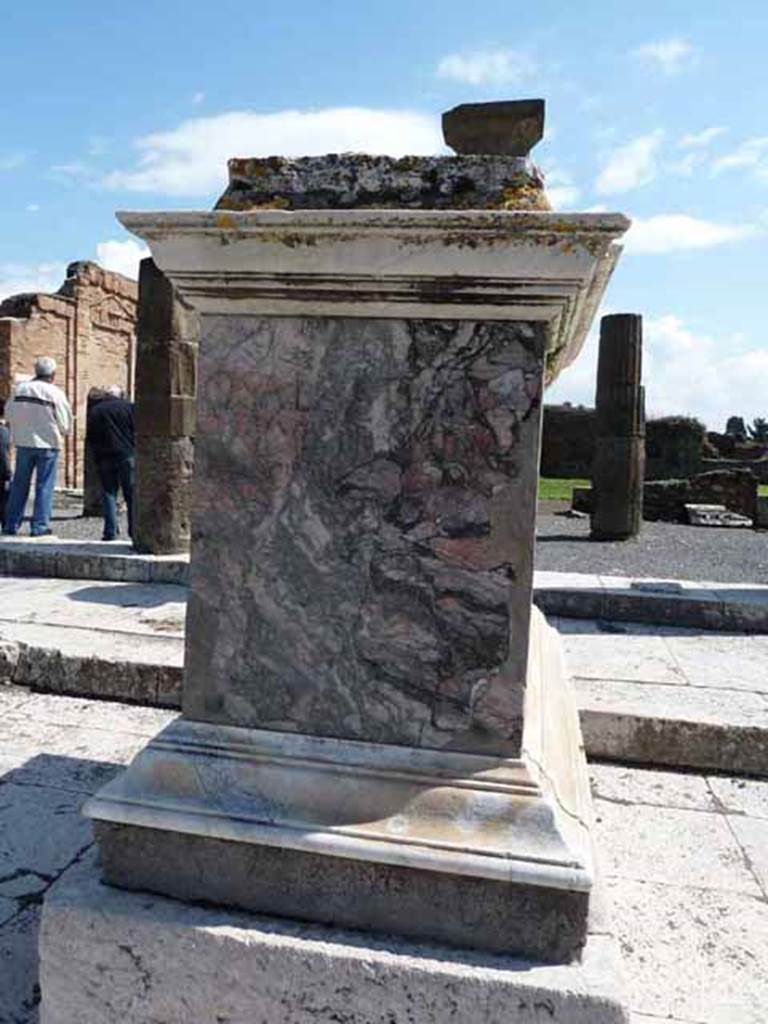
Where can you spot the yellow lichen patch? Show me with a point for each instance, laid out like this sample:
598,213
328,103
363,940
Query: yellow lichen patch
524,196
275,203
225,221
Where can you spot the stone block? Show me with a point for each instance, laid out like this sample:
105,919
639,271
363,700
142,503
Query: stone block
163,480
715,515
112,957
165,416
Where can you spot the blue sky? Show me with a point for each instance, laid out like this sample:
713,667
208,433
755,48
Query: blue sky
658,110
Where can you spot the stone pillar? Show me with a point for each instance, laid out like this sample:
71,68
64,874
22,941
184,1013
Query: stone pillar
375,731
166,372
619,464
92,492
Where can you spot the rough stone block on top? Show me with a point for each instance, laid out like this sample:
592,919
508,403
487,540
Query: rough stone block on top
341,181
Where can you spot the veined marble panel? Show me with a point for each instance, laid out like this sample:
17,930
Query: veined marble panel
364,505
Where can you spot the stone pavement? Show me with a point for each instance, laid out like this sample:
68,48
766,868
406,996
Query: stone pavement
667,696
684,858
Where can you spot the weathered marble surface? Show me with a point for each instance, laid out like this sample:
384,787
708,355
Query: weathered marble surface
341,181
364,505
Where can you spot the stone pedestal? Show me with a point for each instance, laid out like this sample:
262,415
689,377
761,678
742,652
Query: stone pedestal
619,463
373,732
166,374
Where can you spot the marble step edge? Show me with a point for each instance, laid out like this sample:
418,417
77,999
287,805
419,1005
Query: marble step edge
91,560
692,606
704,608
609,732
45,669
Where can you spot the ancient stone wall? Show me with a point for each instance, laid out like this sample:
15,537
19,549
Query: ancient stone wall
568,441
673,447
673,444
88,327
665,500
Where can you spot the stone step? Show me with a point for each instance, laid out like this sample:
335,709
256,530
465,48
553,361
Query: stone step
88,560
654,695
714,606
733,607
682,698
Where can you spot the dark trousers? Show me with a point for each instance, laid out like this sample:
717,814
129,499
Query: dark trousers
116,474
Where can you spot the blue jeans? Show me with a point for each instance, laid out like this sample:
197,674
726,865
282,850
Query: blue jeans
41,462
114,474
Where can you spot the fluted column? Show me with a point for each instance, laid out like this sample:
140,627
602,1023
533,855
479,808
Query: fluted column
619,464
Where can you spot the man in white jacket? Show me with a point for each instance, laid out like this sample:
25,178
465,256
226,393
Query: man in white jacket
39,416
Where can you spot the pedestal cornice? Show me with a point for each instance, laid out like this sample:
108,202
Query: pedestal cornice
486,265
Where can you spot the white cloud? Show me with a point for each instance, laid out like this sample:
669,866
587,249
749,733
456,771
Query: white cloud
687,164
752,155
488,67
30,277
74,172
709,377
670,56
561,191
191,160
563,197
685,373
698,140
122,257
631,165
675,232
32,207
10,161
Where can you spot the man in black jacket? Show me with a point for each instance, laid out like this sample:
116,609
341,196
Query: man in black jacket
5,461
111,435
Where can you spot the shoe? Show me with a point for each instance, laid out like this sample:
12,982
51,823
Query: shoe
114,537
42,533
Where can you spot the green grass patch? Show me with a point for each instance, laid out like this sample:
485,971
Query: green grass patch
762,490
552,488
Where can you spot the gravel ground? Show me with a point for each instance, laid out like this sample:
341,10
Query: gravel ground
67,521
666,550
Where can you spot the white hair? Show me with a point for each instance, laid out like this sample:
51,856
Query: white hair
45,367
115,391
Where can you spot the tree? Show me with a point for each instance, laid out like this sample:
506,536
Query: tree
759,430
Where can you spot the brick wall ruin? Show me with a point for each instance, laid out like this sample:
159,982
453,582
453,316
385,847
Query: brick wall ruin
89,328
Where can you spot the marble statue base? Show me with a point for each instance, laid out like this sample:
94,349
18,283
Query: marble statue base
464,849
114,957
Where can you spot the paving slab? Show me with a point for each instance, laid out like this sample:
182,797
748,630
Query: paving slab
622,785
752,836
693,954
667,845
740,796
